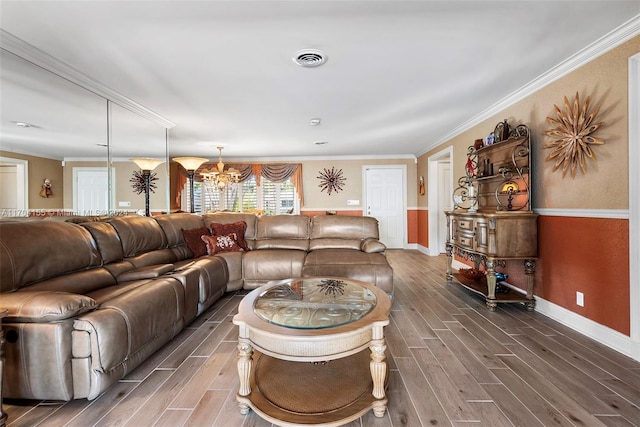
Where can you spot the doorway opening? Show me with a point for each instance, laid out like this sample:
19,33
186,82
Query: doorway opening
440,188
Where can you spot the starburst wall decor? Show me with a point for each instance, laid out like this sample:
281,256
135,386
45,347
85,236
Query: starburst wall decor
138,184
331,180
572,136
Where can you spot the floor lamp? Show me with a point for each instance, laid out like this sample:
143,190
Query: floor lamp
147,165
190,164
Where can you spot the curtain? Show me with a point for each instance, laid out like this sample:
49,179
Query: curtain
280,172
275,172
181,180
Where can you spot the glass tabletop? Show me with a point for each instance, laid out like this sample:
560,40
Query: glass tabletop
314,303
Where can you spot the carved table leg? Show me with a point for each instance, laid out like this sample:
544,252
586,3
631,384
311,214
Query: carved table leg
491,284
245,353
529,271
378,367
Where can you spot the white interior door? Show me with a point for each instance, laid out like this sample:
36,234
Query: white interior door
13,186
385,187
90,191
444,202
8,187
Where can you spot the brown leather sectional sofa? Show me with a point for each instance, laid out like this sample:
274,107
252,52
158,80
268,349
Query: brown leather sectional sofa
89,302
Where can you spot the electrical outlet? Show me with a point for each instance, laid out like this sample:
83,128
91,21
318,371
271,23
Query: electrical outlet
580,299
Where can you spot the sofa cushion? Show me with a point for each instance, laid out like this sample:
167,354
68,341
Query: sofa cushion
139,234
368,267
44,306
238,228
283,232
221,243
192,238
107,240
173,224
37,250
260,267
344,227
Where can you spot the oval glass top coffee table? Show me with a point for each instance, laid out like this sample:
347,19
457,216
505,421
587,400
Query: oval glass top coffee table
311,351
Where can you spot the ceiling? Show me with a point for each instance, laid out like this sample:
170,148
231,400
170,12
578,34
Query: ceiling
400,75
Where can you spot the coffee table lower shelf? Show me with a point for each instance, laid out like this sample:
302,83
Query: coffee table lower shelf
327,394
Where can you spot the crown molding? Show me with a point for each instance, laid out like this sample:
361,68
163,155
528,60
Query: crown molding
42,59
609,41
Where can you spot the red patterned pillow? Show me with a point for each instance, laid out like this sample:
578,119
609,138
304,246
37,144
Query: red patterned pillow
238,228
218,244
193,241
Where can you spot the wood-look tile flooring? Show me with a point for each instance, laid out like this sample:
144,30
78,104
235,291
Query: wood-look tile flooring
453,363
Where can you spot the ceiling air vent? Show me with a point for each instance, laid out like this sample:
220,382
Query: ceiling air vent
310,58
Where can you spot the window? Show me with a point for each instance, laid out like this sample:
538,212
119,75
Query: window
271,198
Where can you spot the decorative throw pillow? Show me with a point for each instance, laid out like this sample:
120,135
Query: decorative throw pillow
193,241
221,243
238,228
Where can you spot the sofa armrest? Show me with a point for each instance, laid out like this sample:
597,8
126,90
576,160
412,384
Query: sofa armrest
44,306
149,272
372,245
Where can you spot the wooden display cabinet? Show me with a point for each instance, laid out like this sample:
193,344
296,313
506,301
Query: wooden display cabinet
492,222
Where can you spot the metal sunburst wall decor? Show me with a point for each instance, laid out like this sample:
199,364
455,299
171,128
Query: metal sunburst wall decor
332,286
572,136
138,184
331,180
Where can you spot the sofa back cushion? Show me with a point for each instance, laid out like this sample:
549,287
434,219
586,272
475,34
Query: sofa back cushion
283,232
139,234
107,240
173,224
341,231
37,250
176,227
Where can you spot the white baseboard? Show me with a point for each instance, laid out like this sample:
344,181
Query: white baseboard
600,333
591,329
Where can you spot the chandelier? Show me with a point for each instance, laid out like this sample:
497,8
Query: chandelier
220,178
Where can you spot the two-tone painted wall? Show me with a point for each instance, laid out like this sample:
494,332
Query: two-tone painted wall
583,233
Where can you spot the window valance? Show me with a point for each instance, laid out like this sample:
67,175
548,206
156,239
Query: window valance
274,172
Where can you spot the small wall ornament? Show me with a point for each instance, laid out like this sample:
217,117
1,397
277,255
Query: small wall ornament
572,136
331,180
47,190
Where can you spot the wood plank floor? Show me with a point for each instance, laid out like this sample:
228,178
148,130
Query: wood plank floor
453,363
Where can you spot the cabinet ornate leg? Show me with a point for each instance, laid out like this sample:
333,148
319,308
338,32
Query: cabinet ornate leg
491,284
245,353
529,271
449,249
378,367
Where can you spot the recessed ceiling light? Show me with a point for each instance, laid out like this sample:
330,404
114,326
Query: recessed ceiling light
321,142
314,122
310,58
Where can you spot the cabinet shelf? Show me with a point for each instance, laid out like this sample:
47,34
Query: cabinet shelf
505,294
